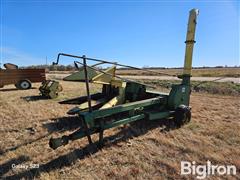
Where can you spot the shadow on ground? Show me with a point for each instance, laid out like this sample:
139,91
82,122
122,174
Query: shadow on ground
14,89
133,130
66,123
34,98
2,152
62,124
7,166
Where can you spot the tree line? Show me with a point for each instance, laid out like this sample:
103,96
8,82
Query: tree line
72,67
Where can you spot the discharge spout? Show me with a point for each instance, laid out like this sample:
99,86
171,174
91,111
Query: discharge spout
190,40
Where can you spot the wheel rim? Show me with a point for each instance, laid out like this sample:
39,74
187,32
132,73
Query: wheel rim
25,85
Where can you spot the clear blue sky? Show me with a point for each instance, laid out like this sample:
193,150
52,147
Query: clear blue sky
139,33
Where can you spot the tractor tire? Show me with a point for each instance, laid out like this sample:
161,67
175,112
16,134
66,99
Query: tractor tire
182,115
23,85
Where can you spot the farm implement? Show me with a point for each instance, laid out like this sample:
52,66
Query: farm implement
123,101
21,78
50,89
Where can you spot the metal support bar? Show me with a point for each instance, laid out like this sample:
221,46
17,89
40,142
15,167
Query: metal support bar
101,129
87,132
64,140
87,83
86,129
125,121
109,62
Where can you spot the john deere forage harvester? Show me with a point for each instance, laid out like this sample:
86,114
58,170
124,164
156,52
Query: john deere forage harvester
123,101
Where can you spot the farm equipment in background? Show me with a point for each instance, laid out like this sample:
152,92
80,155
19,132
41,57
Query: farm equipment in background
21,78
10,66
124,101
50,89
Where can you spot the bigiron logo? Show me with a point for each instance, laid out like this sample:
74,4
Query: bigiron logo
206,170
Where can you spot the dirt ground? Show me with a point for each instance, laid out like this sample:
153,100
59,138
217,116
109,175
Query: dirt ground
141,150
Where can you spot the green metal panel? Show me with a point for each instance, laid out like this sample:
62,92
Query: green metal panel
89,117
124,121
179,94
134,91
159,115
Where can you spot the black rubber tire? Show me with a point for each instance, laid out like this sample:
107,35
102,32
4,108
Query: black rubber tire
182,115
17,86
24,84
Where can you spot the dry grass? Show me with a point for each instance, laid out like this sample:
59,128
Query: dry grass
140,150
201,72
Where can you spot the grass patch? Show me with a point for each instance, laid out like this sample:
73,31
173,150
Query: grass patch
193,126
222,88
196,72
